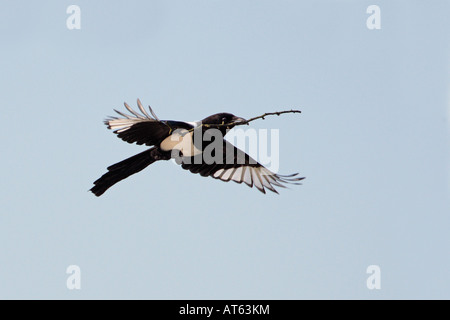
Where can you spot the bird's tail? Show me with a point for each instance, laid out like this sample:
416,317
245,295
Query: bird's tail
124,169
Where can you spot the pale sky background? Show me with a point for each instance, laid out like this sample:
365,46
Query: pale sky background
372,141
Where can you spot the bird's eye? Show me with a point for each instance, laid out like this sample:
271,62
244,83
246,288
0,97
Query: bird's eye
224,120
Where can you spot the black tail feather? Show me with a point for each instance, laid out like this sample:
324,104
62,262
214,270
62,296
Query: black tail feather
123,169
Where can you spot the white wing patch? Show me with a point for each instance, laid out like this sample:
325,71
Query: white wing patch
247,176
181,140
226,176
218,173
122,124
260,177
237,175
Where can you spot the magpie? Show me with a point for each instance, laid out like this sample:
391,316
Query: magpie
177,140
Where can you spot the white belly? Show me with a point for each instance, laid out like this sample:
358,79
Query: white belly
180,140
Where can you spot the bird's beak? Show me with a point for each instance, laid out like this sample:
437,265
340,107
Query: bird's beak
238,119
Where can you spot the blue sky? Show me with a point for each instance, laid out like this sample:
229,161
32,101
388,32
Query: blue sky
372,142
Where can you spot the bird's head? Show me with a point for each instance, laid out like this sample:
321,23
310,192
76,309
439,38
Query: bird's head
225,120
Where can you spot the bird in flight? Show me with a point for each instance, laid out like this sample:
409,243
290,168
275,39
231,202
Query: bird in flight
178,140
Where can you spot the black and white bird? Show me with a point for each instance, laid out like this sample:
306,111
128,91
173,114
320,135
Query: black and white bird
175,139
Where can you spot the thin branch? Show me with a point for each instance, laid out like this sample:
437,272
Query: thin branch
265,115
239,123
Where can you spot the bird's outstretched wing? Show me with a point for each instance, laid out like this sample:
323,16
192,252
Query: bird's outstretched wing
142,128
240,167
